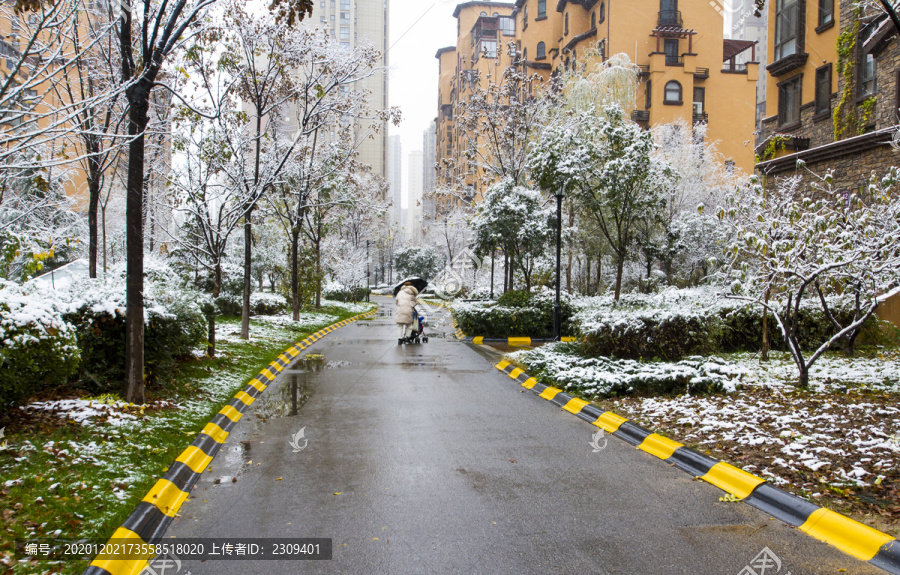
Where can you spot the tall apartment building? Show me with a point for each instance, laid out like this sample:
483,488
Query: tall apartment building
742,24
416,195
395,176
428,172
830,121
358,22
688,69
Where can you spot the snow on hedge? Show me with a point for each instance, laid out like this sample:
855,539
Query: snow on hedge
601,376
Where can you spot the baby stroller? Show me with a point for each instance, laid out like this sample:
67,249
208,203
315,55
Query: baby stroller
418,328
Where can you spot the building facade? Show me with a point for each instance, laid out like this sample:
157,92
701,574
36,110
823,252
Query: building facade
832,112
689,70
359,22
415,196
395,176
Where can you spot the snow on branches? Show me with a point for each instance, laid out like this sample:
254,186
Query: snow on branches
799,242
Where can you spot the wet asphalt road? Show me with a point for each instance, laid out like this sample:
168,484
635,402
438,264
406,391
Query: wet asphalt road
425,459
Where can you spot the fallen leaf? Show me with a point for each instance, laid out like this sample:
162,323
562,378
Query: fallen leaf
279,479
337,493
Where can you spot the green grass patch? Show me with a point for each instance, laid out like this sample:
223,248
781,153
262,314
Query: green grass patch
62,478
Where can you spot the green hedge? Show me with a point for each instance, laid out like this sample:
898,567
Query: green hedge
642,327
516,314
37,346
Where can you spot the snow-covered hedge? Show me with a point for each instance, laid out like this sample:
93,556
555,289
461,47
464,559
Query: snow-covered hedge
37,346
515,314
560,365
338,292
261,303
174,326
677,323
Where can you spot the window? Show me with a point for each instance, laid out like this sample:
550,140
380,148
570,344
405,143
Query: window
508,25
332,18
593,20
345,33
823,90
867,71
648,95
483,14
787,28
345,4
541,51
487,48
525,18
345,18
826,12
331,3
525,55
699,98
542,9
566,33
789,101
670,45
602,12
673,92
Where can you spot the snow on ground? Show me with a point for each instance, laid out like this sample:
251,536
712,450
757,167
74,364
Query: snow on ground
838,439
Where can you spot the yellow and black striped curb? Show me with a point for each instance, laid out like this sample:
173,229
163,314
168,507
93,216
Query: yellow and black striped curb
479,340
151,518
851,537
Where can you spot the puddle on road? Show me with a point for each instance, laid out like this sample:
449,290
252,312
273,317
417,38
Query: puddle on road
295,387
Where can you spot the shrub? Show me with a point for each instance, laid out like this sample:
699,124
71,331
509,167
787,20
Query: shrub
516,314
677,323
261,303
562,365
174,326
339,292
38,348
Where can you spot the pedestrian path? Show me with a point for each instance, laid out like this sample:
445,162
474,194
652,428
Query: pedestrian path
425,459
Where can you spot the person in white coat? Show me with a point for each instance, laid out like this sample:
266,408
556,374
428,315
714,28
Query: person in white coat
407,298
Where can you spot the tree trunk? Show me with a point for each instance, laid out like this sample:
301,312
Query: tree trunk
211,336
620,268
599,271
764,352
587,275
248,254
804,376
318,272
103,216
295,271
139,97
93,205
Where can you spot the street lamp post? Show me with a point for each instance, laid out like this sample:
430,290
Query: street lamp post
557,309
368,289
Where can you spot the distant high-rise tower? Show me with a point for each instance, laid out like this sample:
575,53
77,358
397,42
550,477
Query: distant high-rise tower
428,153
395,176
415,195
354,23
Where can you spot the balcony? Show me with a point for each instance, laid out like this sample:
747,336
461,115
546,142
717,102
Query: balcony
643,70
701,73
670,19
640,115
701,117
732,67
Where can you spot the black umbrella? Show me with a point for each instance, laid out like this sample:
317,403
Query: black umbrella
416,282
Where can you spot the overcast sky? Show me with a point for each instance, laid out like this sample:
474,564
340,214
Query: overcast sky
417,29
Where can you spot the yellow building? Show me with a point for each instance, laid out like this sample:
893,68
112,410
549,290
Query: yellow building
845,123
688,69
481,54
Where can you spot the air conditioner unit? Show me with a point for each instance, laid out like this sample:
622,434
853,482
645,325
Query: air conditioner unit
698,108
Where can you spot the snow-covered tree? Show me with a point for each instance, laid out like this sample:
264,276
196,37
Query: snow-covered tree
804,241
423,262
516,219
498,119
605,160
